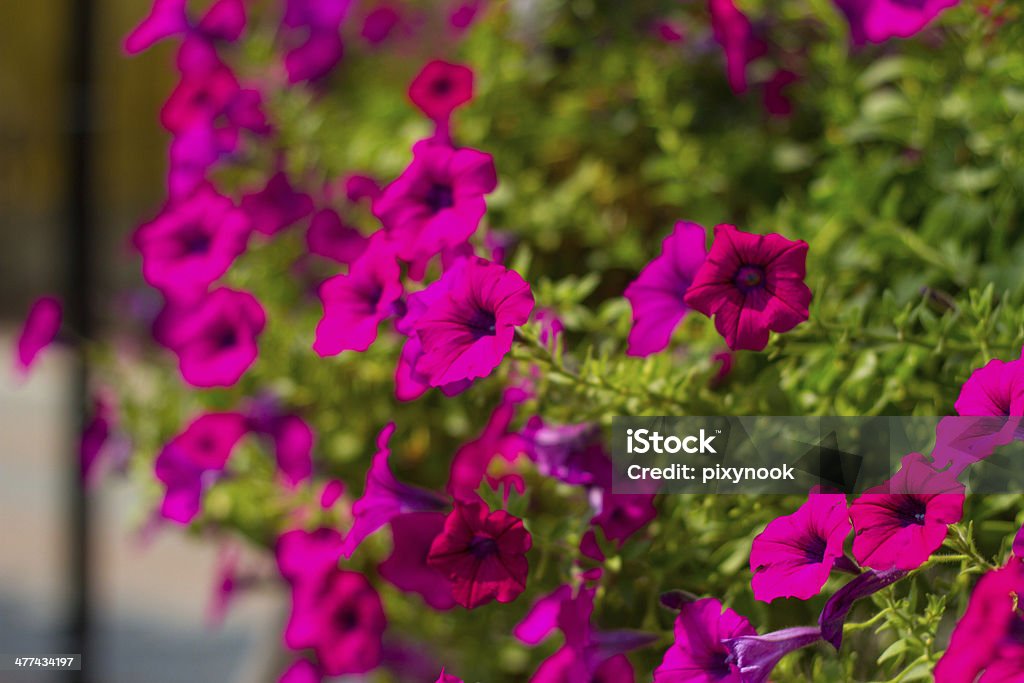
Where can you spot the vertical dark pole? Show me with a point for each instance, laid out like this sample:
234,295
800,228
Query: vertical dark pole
78,303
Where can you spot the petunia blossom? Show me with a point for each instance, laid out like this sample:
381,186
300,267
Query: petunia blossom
752,284
184,463
699,653
329,237
987,644
407,568
756,656
795,554
447,678
483,553
357,302
837,608
900,523
37,332
301,671
733,31
437,202
997,388
468,331
657,294
877,21
276,205
224,20
384,497
192,243
440,88
215,340
311,32
472,459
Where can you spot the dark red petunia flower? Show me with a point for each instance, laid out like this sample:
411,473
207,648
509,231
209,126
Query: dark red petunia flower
440,88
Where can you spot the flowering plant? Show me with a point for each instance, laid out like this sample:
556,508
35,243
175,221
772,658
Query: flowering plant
416,256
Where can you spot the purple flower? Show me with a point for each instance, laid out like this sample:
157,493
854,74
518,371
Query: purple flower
775,100
327,236
342,620
182,465
355,304
483,553
302,671
756,656
215,341
657,293
962,441
833,616
997,388
407,566
566,666
752,284
293,444
440,88
305,558
224,20
37,332
472,459
699,654
542,618
902,522
466,333
988,639
379,23
734,33
794,555
879,20
94,437
311,32
573,454
447,678
438,201
192,243
384,497
276,206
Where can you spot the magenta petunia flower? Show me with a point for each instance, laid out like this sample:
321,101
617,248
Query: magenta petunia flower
657,293
407,567
302,671
293,446
379,24
437,202
962,441
988,641
573,453
440,88
699,654
306,558
355,304
37,332
192,243
467,332
735,34
997,388
566,666
331,493
447,678
277,205
311,30
794,555
384,497
184,463
752,284
775,100
94,437
483,553
624,514
224,20
342,621
192,154
360,187
216,340
755,656
877,21
329,237
833,615
471,460
902,522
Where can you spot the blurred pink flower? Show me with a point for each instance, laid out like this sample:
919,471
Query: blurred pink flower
997,388
901,522
94,437
331,493
302,671
483,553
755,656
384,497
775,100
734,33
699,653
407,567
215,340
357,303
359,187
184,463
329,237
794,555
566,666
379,23
224,20
192,243
440,88
877,21
437,202
752,284
837,608
311,30
657,294
306,558
276,206
37,332
467,332
471,460
447,678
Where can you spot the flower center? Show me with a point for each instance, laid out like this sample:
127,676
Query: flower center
226,338
195,241
346,619
442,86
483,324
440,196
483,546
814,549
749,277
912,4
911,511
